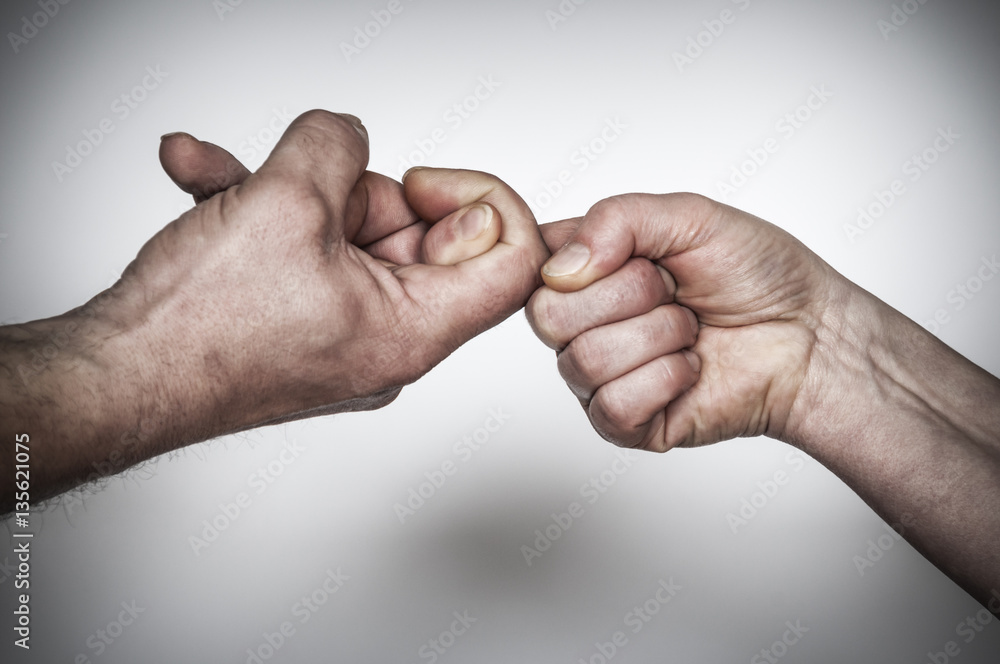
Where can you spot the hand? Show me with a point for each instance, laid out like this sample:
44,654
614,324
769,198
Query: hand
679,321
788,348
349,313
308,287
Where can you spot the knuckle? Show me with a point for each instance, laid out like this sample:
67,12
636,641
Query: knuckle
674,322
646,334
654,443
314,130
691,323
701,206
545,316
295,200
668,372
611,209
576,364
316,117
641,283
675,374
615,408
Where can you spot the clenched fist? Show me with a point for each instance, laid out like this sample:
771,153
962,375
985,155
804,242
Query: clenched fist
680,321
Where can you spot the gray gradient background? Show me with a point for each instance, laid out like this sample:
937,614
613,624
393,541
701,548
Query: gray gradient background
61,242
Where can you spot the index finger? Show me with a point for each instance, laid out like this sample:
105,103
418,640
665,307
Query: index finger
618,228
557,233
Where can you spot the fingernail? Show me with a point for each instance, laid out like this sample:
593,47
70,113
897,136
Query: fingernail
473,223
173,133
357,124
569,260
411,169
693,320
353,119
693,360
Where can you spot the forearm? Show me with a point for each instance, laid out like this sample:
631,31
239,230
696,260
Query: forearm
90,407
913,428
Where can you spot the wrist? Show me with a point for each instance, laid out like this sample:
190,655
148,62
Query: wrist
874,372
911,426
840,388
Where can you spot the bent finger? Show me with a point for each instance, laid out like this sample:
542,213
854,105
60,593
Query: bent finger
557,233
199,168
636,288
630,411
617,228
601,355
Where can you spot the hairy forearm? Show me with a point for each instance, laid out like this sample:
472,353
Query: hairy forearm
90,407
913,428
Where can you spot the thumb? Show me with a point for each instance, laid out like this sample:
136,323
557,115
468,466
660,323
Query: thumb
618,228
464,234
